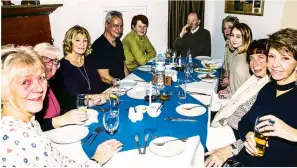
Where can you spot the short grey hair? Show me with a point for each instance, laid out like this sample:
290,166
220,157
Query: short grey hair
48,50
112,14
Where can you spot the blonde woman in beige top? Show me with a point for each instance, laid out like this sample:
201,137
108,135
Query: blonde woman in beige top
238,68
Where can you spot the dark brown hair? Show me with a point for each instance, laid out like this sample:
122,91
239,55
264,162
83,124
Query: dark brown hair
257,47
142,18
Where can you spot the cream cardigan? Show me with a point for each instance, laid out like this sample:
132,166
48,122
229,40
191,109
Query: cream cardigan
245,92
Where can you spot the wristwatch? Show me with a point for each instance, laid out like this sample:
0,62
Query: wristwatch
234,150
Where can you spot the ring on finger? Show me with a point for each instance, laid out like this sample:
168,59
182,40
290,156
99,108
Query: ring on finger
271,122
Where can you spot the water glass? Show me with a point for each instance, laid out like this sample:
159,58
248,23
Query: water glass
182,85
154,92
111,121
114,100
260,139
82,102
187,72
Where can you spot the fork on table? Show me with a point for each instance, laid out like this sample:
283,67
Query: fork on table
97,131
190,108
172,140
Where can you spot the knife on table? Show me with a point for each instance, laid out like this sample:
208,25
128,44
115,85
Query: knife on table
145,142
137,143
197,93
179,119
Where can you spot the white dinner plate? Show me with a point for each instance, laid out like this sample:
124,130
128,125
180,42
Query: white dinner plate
169,149
136,93
190,113
92,117
203,58
204,77
211,64
205,70
67,134
127,84
146,68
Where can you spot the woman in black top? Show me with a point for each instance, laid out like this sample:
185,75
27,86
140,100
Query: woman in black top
76,75
276,106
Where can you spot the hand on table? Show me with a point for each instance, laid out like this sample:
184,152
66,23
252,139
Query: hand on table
97,99
224,81
106,150
218,157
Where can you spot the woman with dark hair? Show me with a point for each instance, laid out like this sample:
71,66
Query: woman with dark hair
275,107
226,120
137,47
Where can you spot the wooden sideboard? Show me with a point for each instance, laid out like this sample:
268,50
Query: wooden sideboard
26,24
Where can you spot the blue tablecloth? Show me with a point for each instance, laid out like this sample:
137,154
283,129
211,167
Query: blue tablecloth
156,127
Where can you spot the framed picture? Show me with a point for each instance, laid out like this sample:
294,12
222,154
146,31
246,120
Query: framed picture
245,7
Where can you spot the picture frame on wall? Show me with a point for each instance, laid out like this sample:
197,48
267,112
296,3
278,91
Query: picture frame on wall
245,7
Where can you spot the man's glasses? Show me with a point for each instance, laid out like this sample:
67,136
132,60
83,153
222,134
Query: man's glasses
48,60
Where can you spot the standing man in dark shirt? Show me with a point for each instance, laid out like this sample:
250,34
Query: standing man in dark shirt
108,53
193,37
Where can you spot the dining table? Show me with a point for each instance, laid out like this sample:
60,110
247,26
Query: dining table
150,128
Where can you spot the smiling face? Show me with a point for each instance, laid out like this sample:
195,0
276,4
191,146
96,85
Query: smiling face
79,44
282,66
258,65
28,90
236,38
140,28
115,27
227,29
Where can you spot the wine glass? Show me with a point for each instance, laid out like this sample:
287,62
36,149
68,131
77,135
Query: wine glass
111,121
82,102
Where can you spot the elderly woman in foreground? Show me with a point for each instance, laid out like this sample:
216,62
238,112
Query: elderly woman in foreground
24,87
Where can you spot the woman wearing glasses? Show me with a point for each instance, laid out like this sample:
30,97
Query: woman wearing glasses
50,116
23,89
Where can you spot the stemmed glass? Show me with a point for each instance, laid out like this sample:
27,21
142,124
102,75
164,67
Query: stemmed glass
111,121
82,102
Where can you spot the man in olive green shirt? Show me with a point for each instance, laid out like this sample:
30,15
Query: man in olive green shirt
137,47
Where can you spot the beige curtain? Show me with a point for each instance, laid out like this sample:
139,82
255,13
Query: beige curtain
177,16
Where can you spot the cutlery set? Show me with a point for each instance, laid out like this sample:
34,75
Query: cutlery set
145,144
180,119
97,131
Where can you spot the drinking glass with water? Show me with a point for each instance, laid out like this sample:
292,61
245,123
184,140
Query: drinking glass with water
111,121
260,139
182,85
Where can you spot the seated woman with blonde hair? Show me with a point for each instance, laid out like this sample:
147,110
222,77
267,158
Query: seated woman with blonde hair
51,116
24,87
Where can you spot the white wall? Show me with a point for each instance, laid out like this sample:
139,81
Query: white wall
261,25
89,14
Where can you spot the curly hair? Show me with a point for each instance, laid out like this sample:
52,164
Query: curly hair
70,34
48,50
285,41
247,36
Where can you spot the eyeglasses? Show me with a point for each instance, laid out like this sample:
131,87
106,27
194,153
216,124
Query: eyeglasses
117,26
48,60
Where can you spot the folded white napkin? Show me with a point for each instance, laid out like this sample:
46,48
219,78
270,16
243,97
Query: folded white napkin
219,137
92,117
215,104
135,115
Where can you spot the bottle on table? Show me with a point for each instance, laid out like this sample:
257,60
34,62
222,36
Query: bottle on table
160,71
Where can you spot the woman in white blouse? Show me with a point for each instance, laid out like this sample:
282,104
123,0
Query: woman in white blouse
23,87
